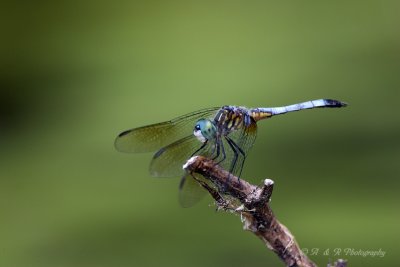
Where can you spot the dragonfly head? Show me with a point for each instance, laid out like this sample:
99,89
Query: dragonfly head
205,130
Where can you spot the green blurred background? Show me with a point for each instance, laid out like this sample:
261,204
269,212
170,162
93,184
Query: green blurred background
76,73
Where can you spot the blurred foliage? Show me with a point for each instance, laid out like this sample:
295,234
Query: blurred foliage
73,74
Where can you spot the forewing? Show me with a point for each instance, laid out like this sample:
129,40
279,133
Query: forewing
152,137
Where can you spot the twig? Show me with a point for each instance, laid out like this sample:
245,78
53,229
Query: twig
255,209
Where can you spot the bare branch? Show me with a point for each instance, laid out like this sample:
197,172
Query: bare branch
255,209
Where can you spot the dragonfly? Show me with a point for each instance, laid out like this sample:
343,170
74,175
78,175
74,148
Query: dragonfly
224,134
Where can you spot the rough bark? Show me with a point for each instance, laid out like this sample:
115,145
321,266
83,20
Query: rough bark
254,209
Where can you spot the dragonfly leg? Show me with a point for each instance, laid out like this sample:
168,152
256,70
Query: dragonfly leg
218,146
201,148
235,154
236,148
221,144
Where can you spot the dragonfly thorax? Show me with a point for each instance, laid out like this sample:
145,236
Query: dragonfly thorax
232,118
205,130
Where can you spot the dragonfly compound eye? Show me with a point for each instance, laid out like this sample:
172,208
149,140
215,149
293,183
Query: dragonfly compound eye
198,133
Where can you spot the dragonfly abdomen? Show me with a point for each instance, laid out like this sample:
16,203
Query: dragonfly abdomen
259,114
262,113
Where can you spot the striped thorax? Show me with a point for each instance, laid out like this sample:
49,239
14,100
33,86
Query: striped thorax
231,118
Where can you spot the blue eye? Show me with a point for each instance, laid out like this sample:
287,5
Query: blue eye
197,127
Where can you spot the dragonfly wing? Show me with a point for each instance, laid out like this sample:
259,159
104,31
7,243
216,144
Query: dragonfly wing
246,142
248,137
169,160
190,191
243,139
152,137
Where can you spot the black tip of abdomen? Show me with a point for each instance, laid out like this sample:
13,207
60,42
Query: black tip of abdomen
335,103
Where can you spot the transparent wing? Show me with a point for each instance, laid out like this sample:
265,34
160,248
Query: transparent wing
243,140
169,160
246,142
190,191
152,137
